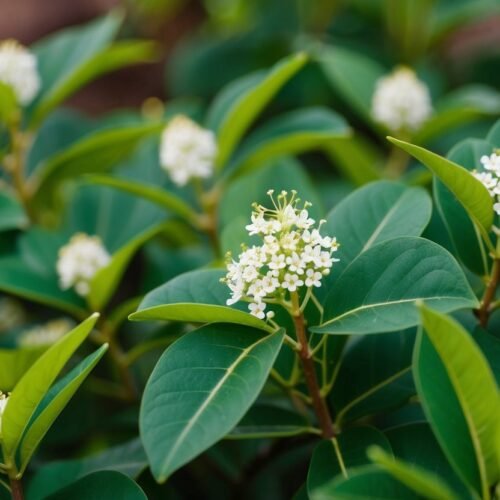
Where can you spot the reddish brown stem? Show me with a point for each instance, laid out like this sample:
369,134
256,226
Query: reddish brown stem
305,355
16,489
489,294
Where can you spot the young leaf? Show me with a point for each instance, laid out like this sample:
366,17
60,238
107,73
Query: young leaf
199,390
14,363
237,106
196,296
161,197
9,110
471,192
31,389
106,280
118,55
54,403
99,486
460,398
424,482
385,282
337,457
289,134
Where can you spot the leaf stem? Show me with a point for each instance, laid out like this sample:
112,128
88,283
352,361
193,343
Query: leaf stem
16,487
485,308
309,370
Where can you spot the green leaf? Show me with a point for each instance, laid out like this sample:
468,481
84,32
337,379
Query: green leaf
374,376
9,109
105,281
60,55
199,390
422,481
363,483
460,398
54,403
338,456
14,363
356,158
289,134
158,196
97,152
196,297
465,105
353,76
118,55
389,210
466,238
471,192
128,458
386,281
101,485
12,214
31,389
238,104
266,421
493,136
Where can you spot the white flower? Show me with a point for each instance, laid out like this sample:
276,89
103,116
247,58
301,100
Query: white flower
18,68
79,261
293,254
491,178
11,314
187,150
4,398
46,334
401,101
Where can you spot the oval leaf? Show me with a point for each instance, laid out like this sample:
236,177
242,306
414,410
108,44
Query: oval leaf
199,390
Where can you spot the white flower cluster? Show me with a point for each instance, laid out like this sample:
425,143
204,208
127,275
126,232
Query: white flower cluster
11,314
187,150
47,334
293,254
401,101
18,68
79,261
4,398
491,178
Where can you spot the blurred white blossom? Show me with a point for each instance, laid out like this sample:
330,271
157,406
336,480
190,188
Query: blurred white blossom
4,398
187,150
293,254
79,261
491,178
11,314
18,68
46,334
401,101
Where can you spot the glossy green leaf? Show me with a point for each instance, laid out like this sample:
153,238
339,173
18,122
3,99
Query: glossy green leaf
374,376
289,134
494,135
266,421
118,55
101,485
199,390
54,403
60,55
356,159
386,281
105,281
389,210
9,110
12,214
161,197
424,482
336,458
353,76
196,297
32,388
490,346
128,458
466,239
97,152
460,397
238,104
471,192
363,483
14,363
